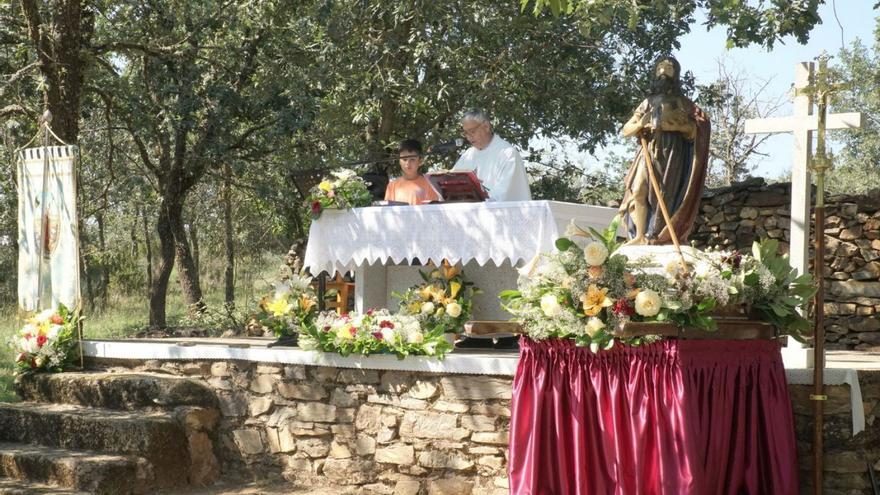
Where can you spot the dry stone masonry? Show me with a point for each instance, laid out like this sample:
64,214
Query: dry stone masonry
733,217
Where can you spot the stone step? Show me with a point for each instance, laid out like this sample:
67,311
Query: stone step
156,437
120,391
15,487
91,472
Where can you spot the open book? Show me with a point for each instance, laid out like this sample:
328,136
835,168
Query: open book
457,186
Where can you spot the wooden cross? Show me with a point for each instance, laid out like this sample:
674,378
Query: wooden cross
801,125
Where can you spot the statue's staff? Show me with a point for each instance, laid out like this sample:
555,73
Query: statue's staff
649,162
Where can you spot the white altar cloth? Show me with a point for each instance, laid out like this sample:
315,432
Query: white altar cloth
342,240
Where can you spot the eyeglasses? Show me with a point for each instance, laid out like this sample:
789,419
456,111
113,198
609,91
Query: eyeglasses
470,132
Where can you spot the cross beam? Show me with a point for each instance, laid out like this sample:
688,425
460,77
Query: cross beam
801,125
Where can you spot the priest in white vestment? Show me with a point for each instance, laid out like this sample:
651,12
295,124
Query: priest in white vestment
496,162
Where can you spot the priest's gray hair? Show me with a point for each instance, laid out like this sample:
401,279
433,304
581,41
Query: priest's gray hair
476,114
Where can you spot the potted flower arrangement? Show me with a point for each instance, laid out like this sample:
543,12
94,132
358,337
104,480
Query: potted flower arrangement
292,307
443,301
374,332
588,292
343,189
46,341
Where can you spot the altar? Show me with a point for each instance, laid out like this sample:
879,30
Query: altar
386,246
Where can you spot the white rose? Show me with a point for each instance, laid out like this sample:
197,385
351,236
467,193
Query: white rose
389,335
550,305
30,329
648,303
427,308
595,253
52,334
38,362
594,325
415,338
28,345
453,309
703,268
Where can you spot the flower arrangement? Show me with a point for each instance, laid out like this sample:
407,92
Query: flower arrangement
291,308
46,341
344,189
374,332
443,301
587,291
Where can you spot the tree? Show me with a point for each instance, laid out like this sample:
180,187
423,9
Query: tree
857,165
746,22
195,87
729,102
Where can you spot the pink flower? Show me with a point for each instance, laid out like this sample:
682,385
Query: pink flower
386,324
377,335
57,319
41,340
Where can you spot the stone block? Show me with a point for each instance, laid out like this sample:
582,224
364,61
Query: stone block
313,447
204,468
260,405
395,382
450,486
249,442
407,487
499,438
323,374
269,369
475,388
455,407
220,369
423,424
423,389
491,410
851,233
368,419
316,411
232,404
339,451
396,454
748,212
872,338
491,462
342,398
302,391
853,288
365,445
448,460
286,439
263,384
295,372
350,471
299,465
358,376
386,435
476,422
220,384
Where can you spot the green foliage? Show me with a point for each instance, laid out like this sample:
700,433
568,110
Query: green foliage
790,293
746,22
857,165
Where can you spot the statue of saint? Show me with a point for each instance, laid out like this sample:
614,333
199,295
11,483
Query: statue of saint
677,135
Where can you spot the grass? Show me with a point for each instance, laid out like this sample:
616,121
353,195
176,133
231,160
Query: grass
126,315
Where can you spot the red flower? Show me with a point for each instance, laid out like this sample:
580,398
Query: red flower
377,335
386,324
370,312
41,340
623,308
316,207
353,330
57,320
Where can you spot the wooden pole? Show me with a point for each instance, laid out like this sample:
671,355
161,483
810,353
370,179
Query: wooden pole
661,201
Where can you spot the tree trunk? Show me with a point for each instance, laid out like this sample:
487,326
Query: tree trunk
159,285
229,239
194,239
104,286
186,267
148,244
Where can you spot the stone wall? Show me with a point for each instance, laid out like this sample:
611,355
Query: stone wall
733,217
400,432
367,431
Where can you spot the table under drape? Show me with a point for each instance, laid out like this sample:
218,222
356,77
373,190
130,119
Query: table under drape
673,417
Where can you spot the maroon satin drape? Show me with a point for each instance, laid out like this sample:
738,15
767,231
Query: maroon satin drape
676,417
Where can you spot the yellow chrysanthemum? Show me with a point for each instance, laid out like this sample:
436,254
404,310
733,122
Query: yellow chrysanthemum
595,299
325,186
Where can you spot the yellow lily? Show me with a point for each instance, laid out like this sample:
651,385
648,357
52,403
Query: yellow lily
279,307
449,271
306,303
595,299
454,287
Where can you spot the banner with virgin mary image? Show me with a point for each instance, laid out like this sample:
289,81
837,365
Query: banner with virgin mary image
48,238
